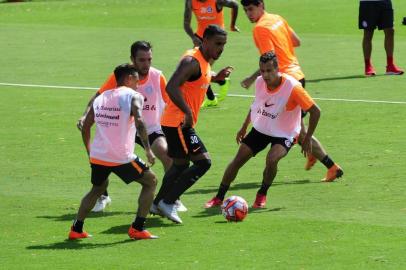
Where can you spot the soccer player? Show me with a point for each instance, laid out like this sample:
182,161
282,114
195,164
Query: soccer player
186,89
117,115
275,115
209,12
152,86
273,33
373,14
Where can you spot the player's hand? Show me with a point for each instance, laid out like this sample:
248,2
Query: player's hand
307,145
79,124
240,135
196,41
247,82
150,157
188,121
223,74
234,28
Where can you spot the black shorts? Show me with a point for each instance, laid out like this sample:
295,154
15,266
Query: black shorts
151,137
183,142
128,172
374,14
257,141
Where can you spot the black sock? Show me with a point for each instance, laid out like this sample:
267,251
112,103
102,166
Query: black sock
187,179
264,188
222,191
106,193
168,181
78,226
210,93
327,161
139,223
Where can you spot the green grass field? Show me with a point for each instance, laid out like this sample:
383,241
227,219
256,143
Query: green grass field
358,222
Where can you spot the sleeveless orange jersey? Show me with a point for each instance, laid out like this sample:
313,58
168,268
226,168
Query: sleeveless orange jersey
272,33
193,93
206,13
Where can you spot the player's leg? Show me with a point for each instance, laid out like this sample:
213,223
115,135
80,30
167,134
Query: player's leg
201,164
276,153
367,20
319,153
244,154
159,147
211,100
138,171
100,182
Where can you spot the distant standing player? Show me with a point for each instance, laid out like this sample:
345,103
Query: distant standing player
209,12
373,14
117,115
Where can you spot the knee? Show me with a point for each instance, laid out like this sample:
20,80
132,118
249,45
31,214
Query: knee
203,166
272,162
150,180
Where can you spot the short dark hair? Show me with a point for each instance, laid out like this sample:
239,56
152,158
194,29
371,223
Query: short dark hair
213,30
269,56
140,45
251,2
122,71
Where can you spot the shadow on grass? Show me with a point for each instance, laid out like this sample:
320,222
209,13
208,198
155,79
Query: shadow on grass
150,223
67,217
240,186
77,244
348,77
208,212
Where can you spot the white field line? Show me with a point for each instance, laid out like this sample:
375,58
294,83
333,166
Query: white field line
230,95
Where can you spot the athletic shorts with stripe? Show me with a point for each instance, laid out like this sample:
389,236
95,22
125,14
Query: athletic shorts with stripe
374,14
257,141
151,137
127,172
183,142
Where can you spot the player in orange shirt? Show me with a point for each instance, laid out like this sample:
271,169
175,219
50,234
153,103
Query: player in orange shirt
273,33
209,12
275,115
186,89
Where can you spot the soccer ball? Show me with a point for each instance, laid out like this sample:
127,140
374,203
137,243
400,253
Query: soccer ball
234,208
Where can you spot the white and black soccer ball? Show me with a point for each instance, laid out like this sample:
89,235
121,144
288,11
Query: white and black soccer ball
234,208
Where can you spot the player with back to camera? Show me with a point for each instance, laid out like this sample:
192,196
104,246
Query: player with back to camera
117,116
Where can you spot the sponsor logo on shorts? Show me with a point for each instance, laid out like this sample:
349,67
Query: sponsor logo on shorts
364,24
288,143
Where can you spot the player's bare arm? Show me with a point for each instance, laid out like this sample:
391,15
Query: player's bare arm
222,74
86,128
294,37
243,130
136,109
188,67
79,124
234,12
187,19
247,82
314,113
